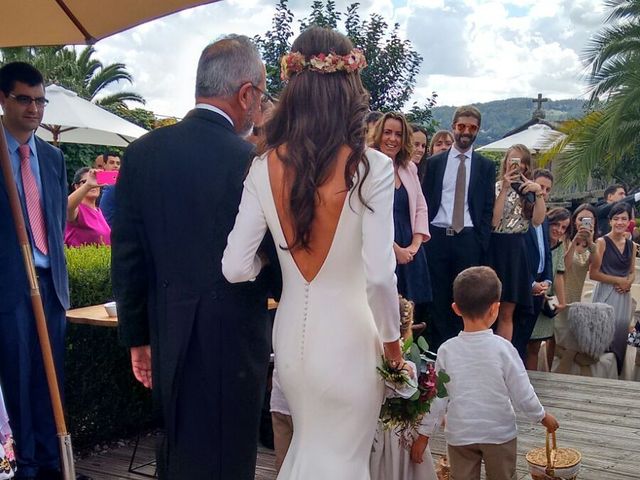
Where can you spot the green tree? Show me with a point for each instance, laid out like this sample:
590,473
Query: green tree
423,114
609,133
80,72
275,44
322,15
393,64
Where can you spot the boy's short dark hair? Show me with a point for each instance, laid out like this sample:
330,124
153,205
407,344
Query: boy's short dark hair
542,172
611,189
475,290
19,72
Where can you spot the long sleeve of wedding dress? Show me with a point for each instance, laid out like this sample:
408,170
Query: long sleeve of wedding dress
240,262
377,251
328,329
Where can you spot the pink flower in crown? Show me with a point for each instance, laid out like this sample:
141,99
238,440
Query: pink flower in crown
293,62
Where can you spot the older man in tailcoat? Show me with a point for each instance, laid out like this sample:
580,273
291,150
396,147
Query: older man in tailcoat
201,343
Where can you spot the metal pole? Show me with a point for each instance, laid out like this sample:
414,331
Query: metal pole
64,439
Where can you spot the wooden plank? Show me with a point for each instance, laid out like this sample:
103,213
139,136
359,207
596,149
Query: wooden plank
598,417
96,315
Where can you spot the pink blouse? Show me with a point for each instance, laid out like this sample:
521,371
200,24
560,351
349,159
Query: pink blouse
90,227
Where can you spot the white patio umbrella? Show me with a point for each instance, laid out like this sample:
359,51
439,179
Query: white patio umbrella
69,118
64,22
537,138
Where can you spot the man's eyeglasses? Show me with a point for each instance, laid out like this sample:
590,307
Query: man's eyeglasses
462,127
266,98
26,100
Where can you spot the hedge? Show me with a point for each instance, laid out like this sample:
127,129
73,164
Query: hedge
103,401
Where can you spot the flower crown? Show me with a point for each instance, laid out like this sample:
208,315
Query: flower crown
295,62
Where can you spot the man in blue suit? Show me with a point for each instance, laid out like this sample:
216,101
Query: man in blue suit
539,250
40,176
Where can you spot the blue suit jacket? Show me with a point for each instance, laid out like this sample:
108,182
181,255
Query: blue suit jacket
534,253
13,279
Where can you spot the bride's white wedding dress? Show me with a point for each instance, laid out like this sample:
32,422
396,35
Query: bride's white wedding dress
328,330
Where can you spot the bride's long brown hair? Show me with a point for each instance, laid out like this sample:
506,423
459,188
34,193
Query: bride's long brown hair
317,113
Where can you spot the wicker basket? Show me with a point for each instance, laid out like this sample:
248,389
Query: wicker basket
553,463
443,470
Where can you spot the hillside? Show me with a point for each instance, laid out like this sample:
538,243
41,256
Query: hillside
501,116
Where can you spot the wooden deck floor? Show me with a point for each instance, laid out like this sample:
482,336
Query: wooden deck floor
598,417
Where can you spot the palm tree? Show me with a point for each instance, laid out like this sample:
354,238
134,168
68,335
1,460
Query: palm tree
82,73
610,131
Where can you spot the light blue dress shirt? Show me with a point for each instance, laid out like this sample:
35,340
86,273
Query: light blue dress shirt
40,259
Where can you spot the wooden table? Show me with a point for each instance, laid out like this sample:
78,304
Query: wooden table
97,315
93,315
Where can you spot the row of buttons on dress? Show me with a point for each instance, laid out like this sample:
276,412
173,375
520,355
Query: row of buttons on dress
304,320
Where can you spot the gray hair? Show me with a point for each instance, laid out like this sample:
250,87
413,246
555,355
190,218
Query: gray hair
226,64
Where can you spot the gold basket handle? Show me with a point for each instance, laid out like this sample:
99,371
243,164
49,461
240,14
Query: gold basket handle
551,453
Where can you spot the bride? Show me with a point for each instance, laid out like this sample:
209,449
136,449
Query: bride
327,201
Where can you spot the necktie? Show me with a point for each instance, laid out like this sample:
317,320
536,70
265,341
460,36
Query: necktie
32,199
457,221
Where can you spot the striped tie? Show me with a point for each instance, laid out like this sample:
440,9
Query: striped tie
32,199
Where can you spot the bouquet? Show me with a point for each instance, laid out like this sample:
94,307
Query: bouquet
399,412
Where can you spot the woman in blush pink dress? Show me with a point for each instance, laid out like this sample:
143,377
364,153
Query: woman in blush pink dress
85,223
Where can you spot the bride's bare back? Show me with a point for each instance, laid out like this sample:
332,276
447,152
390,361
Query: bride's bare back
330,203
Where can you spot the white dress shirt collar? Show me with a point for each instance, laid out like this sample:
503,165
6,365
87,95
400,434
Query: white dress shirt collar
206,106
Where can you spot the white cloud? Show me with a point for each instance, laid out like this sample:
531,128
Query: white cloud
474,50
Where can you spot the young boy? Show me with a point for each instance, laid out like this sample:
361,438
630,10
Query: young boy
487,380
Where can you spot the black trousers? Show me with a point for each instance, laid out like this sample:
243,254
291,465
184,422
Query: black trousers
524,321
447,257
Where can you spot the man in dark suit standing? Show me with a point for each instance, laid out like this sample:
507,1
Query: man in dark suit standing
202,343
459,188
41,181
540,262
613,194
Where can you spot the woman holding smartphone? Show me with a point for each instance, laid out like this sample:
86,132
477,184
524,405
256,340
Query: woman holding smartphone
580,246
519,202
86,224
613,267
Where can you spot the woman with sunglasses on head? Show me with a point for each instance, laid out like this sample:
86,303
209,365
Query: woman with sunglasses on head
519,203
86,224
393,137
613,268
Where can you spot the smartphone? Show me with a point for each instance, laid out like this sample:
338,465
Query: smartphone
515,161
553,302
107,177
586,222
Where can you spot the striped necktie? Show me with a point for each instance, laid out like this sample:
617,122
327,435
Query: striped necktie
32,199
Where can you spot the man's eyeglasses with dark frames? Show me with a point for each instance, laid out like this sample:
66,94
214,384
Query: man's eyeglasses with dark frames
26,100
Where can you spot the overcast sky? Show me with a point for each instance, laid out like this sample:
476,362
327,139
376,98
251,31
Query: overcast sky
473,50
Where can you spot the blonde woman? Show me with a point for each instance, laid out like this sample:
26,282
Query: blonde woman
519,203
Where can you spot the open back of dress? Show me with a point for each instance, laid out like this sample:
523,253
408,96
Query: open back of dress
338,301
